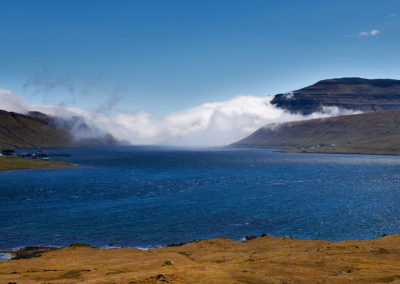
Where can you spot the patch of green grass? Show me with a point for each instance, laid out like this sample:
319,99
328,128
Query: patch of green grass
15,163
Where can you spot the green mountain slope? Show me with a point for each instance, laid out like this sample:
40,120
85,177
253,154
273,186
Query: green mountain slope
37,130
368,133
24,131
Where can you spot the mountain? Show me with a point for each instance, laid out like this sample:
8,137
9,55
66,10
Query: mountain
38,130
351,93
368,133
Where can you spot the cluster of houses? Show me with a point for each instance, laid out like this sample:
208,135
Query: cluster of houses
39,154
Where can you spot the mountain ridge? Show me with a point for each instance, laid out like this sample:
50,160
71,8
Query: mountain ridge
349,92
38,130
365,133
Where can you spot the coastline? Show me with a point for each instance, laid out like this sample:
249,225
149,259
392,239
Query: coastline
344,151
325,150
15,163
263,259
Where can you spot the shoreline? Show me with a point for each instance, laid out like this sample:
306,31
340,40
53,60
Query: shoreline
36,250
263,259
15,163
13,251
318,150
342,152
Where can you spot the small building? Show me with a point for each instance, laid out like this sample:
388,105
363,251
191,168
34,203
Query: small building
8,152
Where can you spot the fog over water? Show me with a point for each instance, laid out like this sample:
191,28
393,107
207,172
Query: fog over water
208,124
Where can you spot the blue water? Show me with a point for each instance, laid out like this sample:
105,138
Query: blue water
152,196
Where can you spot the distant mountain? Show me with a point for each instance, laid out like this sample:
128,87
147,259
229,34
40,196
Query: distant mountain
38,130
368,133
351,93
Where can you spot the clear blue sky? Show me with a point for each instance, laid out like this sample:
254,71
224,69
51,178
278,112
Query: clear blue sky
167,55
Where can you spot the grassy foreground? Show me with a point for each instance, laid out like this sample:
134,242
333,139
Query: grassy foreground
261,260
14,163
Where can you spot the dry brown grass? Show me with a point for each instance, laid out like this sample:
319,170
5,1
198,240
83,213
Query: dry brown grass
262,260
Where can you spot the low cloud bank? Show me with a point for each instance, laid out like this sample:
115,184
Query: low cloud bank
209,124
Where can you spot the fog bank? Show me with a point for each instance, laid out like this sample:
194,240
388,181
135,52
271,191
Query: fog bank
209,124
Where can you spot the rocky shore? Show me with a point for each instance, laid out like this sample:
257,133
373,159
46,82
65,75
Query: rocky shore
257,260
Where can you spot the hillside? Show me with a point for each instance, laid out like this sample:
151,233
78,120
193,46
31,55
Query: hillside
24,131
37,130
369,133
352,93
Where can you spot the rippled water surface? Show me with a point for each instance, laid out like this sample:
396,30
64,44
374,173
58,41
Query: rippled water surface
151,196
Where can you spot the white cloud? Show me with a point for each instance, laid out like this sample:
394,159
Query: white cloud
289,95
10,101
373,32
209,124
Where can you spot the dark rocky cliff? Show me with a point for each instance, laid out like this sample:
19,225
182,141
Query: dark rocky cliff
351,93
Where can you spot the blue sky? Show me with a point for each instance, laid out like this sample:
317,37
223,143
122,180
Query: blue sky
167,55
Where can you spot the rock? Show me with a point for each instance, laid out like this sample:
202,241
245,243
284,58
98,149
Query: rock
80,245
168,262
175,245
31,251
248,238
